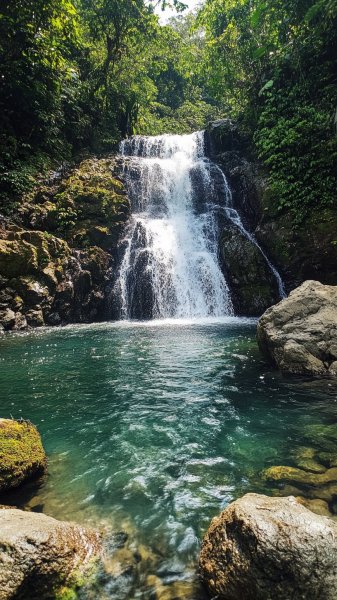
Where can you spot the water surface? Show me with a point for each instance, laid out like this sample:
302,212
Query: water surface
153,428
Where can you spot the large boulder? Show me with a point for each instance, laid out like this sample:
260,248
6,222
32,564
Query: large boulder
22,456
264,548
299,335
38,554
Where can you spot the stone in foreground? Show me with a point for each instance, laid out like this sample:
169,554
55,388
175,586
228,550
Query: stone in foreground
299,334
22,456
263,548
39,554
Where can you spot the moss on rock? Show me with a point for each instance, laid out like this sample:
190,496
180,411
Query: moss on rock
17,258
91,199
21,453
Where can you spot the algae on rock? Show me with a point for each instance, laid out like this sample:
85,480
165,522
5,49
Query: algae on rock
22,456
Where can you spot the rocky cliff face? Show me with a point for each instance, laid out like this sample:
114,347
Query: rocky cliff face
300,251
56,257
252,283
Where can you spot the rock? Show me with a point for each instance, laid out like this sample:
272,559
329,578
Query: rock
32,291
252,284
299,477
223,135
299,334
306,251
327,458
22,456
177,590
320,507
16,258
261,548
20,322
35,318
67,279
39,554
305,458
7,318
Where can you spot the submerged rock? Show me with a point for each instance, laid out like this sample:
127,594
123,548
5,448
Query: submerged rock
299,476
39,554
299,335
306,458
177,590
320,507
22,456
261,548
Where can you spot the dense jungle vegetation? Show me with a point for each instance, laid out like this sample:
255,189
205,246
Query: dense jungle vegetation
78,75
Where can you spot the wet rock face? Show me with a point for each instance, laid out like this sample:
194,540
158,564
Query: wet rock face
223,135
252,284
227,145
299,335
39,554
261,548
22,456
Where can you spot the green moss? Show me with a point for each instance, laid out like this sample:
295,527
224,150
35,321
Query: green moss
17,258
91,196
21,453
77,580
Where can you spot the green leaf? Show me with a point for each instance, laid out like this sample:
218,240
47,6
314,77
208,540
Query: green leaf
266,87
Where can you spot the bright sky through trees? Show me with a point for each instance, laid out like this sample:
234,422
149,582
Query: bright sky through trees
167,13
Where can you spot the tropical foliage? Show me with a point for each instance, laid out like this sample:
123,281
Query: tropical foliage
77,75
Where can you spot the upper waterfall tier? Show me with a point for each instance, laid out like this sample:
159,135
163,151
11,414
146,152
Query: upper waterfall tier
170,266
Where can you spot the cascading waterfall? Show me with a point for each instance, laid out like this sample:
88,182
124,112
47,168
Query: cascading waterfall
170,266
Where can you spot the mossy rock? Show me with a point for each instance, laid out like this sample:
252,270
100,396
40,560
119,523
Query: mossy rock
91,194
17,258
299,476
22,456
305,250
305,458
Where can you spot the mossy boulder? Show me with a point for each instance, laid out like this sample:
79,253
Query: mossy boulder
22,456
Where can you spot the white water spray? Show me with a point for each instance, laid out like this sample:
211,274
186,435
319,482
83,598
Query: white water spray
170,266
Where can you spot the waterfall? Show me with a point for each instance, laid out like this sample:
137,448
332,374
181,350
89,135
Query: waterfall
233,216
169,266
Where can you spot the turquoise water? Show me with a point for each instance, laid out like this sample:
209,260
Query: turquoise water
153,428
